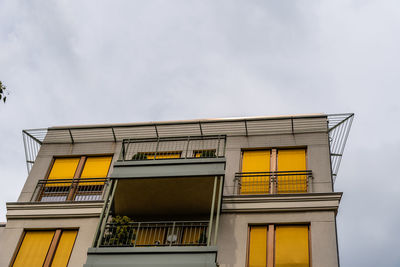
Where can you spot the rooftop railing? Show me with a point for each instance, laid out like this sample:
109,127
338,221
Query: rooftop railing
155,234
173,148
60,190
280,182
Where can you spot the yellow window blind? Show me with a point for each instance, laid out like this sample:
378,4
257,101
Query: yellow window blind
34,248
292,160
95,167
64,248
258,246
63,168
255,161
291,246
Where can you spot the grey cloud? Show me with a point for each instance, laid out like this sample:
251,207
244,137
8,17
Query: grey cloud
76,62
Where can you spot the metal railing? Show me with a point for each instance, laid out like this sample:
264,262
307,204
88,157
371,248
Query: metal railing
173,148
59,190
148,234
280,182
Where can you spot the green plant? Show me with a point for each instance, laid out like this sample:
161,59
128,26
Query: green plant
119,235
139,156
207,153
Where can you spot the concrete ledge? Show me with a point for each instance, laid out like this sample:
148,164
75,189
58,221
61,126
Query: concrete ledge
152,256
276,203
145,250
169,168
31,210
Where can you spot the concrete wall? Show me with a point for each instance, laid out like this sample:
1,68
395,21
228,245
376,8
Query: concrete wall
233,226
15,228
48,151
232,237
318,160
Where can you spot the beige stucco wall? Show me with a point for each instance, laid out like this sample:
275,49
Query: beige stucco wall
48,151
233,226
13,232
318,160
232,236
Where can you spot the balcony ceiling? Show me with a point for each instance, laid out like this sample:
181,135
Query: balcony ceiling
164,198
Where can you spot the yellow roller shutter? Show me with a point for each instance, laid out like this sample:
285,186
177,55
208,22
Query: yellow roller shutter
64,248
292,160
291,246
95,167
255,161
34,248
63,168
258,246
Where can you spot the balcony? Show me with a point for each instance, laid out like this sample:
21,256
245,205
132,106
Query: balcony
155,234
190,147
74,190
279,182
171,157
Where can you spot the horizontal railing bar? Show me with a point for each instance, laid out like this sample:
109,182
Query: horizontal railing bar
183,138
160,222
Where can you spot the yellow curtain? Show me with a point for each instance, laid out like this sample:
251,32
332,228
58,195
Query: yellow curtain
291,246
292,160
255,161
258,246
164,155
34,248
192,235
95,167
64,248
150,236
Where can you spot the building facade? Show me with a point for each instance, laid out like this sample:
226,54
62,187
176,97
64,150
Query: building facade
255,191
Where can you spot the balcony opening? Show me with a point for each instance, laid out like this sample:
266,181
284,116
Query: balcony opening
160,212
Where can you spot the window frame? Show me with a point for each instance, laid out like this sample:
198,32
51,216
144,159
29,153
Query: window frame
77,174
51,252
274,163
270,262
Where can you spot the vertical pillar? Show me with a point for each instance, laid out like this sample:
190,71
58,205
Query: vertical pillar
212,211
218,209
105,213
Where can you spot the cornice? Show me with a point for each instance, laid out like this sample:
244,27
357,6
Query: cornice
53,210
282,203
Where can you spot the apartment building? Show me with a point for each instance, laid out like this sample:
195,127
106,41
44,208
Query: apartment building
254,191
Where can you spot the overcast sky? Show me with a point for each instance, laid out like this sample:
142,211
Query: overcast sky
79,62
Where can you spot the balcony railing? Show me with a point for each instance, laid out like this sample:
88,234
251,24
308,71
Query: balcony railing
280,182
59,190
155,234
173,148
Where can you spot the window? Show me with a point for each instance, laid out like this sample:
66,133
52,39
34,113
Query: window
76,179
45,248
273,171
278,246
